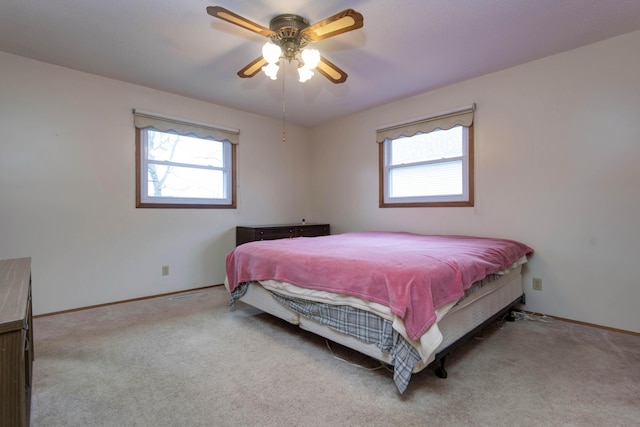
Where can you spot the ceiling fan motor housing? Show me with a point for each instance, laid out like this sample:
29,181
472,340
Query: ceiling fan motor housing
288,34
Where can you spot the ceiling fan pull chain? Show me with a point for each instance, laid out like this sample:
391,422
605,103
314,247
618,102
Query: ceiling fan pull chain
284,130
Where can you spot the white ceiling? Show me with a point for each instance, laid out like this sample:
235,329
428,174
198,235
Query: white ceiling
405,47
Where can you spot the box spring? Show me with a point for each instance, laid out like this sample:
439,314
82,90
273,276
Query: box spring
469,314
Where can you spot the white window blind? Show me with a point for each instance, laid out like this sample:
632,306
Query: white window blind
446,120
143,120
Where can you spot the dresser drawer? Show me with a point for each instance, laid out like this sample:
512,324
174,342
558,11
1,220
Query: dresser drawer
275,233
312,230
245,234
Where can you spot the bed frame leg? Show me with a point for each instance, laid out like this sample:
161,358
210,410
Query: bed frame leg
440,371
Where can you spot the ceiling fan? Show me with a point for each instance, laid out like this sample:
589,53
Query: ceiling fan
289,35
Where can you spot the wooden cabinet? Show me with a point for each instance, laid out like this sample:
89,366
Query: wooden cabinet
16,342
284,231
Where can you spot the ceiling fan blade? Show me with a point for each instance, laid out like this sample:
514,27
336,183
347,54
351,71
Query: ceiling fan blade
253,68
331,71
347,20
227,15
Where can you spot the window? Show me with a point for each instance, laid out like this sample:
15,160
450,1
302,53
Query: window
428,162
183,165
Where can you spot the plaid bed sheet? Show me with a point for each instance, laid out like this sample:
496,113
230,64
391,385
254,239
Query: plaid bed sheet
238,293
357,323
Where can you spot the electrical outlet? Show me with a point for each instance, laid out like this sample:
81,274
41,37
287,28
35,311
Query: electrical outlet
165,270
537,284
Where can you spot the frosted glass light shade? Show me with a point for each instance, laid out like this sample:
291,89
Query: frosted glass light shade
304,73
271,52
271,70
311,58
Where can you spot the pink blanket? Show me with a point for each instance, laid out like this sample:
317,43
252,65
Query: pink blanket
412,274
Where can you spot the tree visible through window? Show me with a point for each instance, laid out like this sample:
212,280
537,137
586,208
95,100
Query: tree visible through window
184,166
176,170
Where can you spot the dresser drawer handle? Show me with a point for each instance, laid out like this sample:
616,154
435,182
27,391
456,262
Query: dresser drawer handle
26,344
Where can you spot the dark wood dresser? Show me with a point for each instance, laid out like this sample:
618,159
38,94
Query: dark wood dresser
16,342
284,231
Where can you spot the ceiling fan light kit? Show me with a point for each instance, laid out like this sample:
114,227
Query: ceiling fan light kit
289,35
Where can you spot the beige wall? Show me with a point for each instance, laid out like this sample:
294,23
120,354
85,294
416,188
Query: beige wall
557,152
67,188
557,147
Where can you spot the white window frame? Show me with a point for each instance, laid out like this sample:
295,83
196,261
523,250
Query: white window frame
145,122
449,120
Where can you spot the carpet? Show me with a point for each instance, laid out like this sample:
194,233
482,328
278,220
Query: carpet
190,360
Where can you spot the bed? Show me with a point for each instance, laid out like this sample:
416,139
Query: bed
402,298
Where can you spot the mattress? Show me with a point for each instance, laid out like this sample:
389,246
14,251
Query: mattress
411,274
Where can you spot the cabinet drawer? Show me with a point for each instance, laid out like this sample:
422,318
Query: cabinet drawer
245,234
312,231
275,233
